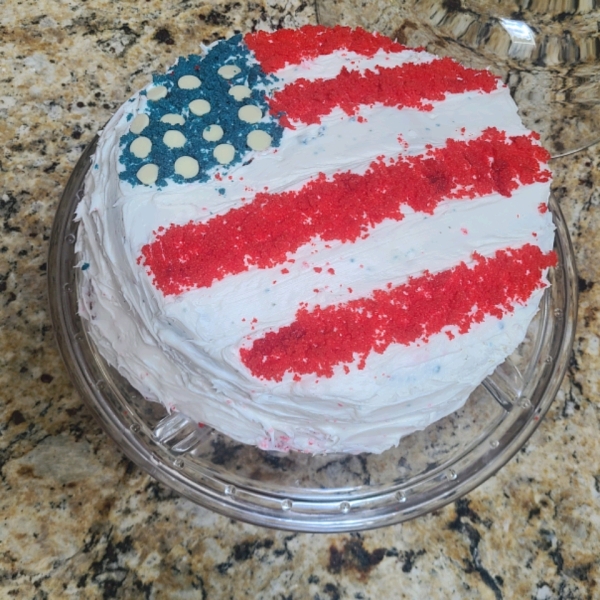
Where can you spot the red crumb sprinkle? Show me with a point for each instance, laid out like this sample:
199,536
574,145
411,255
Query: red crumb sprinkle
201,425
464,230
331,271
265,231
285,271
350,290
542,208
320,339
291,46
317,269
361,119
409,85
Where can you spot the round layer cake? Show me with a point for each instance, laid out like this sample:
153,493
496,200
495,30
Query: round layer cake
315,239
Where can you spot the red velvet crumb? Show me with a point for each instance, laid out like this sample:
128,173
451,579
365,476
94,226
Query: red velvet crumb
263,232
320,339
291,46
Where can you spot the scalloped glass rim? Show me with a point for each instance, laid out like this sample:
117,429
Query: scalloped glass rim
319,493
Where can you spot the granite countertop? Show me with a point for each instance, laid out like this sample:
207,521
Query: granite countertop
77,519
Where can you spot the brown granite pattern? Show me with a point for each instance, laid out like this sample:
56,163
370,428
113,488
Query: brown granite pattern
78,520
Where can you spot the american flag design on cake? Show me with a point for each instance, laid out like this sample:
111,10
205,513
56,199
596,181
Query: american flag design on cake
329,239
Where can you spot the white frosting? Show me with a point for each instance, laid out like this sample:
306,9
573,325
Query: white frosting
184,350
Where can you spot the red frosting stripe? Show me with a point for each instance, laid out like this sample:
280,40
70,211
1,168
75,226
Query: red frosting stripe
322,338
263,232
291,46
409,85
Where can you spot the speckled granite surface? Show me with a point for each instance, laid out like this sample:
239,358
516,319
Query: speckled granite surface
79,520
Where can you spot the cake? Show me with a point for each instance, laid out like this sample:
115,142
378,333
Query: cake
314,240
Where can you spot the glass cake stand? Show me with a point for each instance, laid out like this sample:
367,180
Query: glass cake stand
323,493
546,51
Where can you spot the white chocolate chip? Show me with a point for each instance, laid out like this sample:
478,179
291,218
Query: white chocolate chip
140,147
174,138
250,114
148,174
173,119
188,82
212,133
229,71
199,107
157,92
224,153
239,92
258,140
187,167
139,123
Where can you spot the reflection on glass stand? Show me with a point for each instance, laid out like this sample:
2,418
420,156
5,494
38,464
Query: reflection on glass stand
545,50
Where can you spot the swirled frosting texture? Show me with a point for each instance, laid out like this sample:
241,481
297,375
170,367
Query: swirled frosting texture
336,265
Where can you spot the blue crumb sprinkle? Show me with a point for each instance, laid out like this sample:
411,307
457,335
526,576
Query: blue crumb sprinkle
85,266
224,112
222,191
